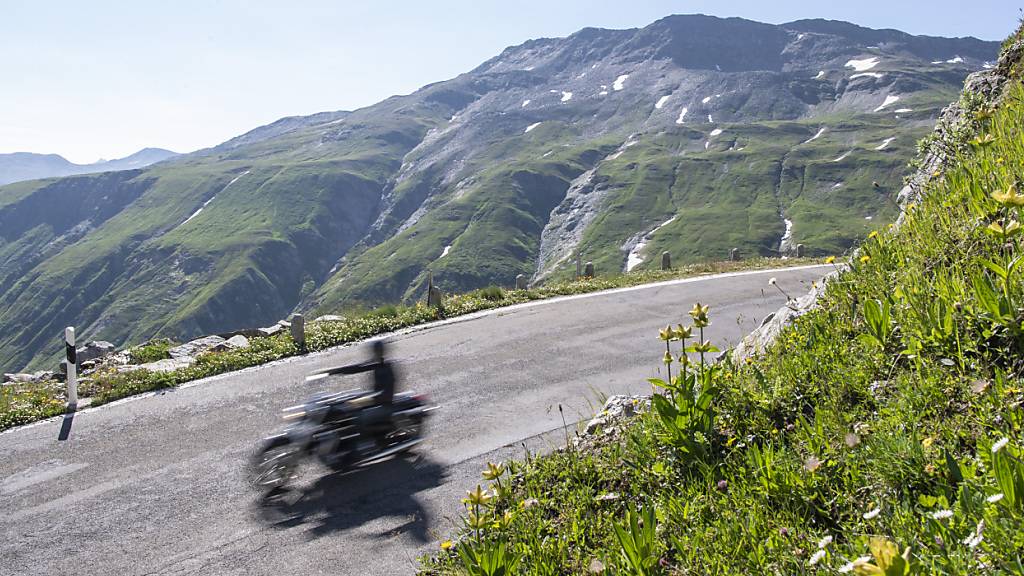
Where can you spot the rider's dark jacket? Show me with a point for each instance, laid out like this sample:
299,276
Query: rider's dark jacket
383,377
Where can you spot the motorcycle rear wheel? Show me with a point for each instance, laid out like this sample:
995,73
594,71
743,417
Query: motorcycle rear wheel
406,428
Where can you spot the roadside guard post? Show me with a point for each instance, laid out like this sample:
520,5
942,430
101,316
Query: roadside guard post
298,330
71,361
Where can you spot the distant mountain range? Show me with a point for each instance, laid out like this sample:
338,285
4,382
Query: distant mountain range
21,166
693,135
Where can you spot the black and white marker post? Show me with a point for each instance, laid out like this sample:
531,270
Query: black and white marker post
71,363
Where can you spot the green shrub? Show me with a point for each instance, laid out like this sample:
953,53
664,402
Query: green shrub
492,293
151,352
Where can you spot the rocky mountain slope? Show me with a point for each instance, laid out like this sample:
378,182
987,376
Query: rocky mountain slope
694,134
21,166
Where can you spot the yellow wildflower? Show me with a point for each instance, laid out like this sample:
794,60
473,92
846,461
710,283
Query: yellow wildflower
446,545
493,471
1011,197
700,315
683,332
830,259
478,496
984,141
874,234
478,521
864,259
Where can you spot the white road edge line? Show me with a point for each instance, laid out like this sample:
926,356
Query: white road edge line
420,328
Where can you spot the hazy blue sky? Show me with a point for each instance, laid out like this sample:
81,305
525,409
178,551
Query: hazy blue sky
103,79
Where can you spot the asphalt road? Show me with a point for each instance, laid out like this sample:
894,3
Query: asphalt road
156,484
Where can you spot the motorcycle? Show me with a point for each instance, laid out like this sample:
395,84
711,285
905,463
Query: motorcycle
343,430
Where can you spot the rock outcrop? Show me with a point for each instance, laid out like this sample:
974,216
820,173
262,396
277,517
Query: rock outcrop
759,340
93,350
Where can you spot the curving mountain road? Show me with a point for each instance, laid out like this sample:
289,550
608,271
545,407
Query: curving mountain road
155,484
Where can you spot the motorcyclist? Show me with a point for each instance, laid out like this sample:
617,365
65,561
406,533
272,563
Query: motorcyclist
384,380
376,418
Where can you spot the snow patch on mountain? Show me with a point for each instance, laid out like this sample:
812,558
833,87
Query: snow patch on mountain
212,198
815,137
787,236
863,65
634,258
889,101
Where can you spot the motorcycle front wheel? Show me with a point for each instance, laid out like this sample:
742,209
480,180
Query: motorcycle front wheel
274,464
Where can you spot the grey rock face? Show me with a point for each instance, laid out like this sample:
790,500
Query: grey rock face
568,221
238,341
757,341
168,365
93,350
617,409
988,85
22,378
120,358
195,347
271,330
234,343
329,318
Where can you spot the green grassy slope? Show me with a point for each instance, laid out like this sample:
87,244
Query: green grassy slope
279,214
881,434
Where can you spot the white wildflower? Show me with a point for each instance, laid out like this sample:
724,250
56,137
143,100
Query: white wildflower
942,514
771,281
816,557
972,540
1000,444
824,541
994,498
871,514
850,566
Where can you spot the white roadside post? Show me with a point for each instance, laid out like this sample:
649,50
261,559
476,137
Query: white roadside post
71,362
